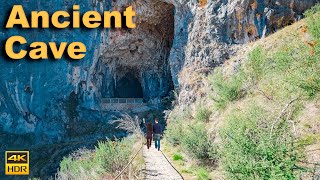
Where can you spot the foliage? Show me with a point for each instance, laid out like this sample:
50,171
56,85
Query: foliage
227,89
255,65
202,113
109,157
191,135
113,156
178,121
202,174
177,157
314,21
196,142
250,150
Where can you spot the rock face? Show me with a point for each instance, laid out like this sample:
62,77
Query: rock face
54,102
58,101
42,97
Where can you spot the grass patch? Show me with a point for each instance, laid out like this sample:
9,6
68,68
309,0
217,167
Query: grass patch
202,174
308,139
255,66
177,157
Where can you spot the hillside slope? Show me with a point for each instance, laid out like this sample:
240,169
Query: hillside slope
259,117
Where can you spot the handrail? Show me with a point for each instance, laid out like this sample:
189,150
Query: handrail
172,165
130,162
122,100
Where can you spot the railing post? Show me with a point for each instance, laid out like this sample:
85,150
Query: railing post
130,171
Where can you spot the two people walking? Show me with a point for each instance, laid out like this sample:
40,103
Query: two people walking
155,131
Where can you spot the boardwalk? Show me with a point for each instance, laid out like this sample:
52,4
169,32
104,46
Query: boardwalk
157,167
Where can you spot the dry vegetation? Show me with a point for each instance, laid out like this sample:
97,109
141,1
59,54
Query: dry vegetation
203,3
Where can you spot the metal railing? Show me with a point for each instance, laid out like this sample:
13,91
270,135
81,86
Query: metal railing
122,100
129,165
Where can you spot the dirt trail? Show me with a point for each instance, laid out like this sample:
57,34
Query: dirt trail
157,167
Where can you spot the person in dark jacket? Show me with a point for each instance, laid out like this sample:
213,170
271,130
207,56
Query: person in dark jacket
157,132
149,132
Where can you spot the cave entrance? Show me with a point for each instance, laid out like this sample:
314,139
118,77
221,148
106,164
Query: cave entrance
137,64
128,87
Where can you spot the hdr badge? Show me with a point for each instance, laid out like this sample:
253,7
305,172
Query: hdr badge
17,163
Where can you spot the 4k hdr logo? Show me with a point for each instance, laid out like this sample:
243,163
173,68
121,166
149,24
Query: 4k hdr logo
17,162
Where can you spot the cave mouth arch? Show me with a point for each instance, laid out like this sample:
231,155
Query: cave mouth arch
128,87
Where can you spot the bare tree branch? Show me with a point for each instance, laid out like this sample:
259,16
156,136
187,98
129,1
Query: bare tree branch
282,114
128,123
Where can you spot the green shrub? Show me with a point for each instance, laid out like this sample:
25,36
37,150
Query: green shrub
108,157
202,113
227,89
179,119
177,157
255,66
250,150
202,174
113,156
314,21
197,143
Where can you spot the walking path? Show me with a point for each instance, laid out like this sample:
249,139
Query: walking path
157,166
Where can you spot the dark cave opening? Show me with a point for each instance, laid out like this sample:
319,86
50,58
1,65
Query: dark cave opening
128,87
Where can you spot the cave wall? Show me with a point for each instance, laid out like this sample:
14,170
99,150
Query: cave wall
49,99
34,94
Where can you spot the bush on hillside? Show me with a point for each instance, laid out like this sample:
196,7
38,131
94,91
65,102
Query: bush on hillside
251,150
226,89
314,21
197,142
255,64
202,113
178,121
191,135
